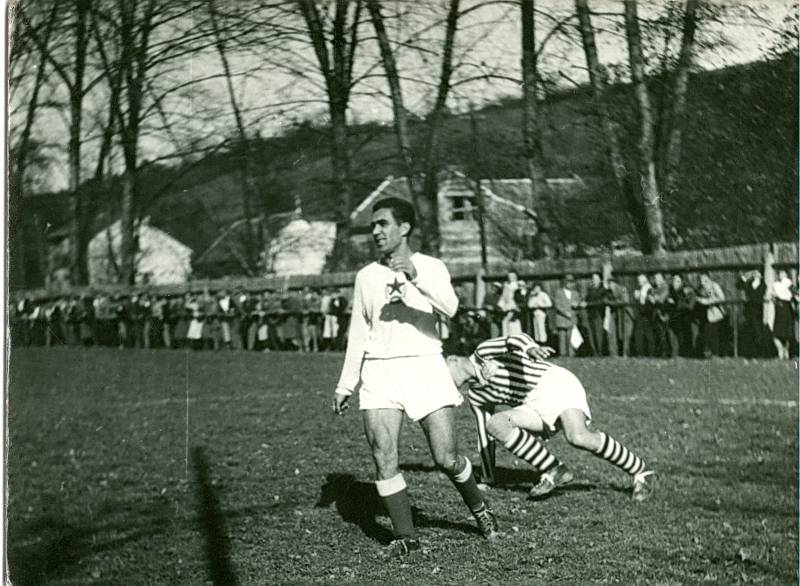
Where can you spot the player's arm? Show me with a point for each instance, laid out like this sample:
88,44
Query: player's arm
357,336
524,344
433,281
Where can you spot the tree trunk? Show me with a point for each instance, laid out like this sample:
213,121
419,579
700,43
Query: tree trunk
20,161
252,249
78,213
680,86
651,198
338,74
431,184
629,198
127,247
532,140
426,208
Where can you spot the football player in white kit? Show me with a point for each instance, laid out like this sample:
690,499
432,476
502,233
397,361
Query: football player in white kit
394,360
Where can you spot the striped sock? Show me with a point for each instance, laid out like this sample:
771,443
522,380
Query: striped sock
619,455
526,446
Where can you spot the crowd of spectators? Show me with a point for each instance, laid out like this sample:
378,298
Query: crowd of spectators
308,320
663,316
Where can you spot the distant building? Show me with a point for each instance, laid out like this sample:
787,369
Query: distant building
160,260
293,245
509,223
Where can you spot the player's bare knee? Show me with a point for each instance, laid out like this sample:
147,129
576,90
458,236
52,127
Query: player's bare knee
582,438
448,462
500,426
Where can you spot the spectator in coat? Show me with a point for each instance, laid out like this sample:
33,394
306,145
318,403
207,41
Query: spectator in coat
645,313
565,303
680,307
596,303
620,318
226,314
507,306
539,303
660,294
710,297
755,292
783,326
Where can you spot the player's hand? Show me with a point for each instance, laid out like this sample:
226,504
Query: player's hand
402,264
340,403
541,352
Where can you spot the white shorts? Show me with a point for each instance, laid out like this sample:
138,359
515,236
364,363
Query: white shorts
418,385
557,391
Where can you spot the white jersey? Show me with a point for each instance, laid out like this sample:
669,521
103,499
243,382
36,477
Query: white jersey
393,317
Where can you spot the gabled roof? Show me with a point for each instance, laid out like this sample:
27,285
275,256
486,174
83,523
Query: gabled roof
514,193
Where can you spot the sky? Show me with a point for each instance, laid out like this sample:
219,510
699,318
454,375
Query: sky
488,41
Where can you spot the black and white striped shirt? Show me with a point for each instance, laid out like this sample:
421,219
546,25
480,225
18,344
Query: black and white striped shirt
506,374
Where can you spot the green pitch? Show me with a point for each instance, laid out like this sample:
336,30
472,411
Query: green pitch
110,482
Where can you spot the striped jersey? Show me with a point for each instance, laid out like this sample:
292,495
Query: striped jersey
506,374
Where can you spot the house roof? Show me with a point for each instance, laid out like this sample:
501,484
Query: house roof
514,193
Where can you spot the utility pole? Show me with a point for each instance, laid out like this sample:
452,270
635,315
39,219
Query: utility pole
476,176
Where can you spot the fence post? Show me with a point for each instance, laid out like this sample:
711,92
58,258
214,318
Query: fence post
735,318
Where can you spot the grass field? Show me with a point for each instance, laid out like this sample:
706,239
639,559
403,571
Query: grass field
272,488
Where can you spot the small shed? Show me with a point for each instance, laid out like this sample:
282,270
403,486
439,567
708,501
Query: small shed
160,258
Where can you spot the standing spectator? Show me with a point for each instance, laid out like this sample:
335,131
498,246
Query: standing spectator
122,316
755,291
330,325
244,306
292,326
146,319
211,326
710,297
264,324
273,306
86,324
194,333
643,322
620,319
596,299
52,314
340,305
159,312
182,317
783,326
507,306
489,311
226,312
538,303
660,294
680,304
565,302
310,319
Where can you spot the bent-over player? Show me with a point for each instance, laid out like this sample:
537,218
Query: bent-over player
394,359
544,398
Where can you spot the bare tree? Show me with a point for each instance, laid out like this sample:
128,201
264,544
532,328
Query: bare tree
69,64
252,248
336,66
644,181
532,132
22,148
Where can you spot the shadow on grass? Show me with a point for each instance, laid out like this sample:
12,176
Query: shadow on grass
51,547
212,523
358,502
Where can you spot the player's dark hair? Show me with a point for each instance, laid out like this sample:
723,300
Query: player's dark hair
402,211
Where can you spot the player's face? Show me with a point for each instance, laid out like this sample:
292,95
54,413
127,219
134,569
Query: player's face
461,369
386,232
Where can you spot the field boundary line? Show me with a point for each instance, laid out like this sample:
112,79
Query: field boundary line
724,401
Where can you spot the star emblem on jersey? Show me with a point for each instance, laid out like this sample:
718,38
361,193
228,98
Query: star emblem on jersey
394,290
